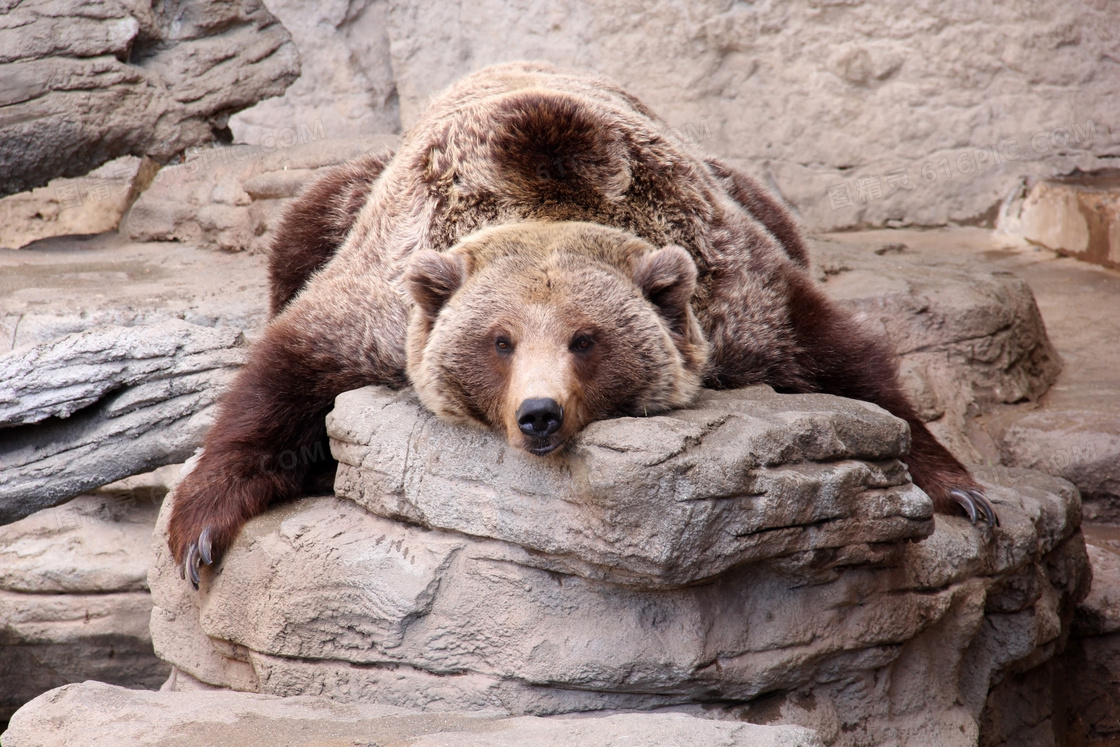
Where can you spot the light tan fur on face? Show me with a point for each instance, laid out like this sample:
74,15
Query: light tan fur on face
541,286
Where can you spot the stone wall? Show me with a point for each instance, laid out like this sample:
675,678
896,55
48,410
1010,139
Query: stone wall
859,113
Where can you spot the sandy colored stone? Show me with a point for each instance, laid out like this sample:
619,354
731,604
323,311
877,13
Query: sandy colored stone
1002,94
1078,216
231,197
555,587
346,81
87,205
96,714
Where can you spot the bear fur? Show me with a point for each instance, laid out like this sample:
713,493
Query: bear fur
540,253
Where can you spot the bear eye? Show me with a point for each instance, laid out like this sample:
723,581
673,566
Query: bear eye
503,345
582,344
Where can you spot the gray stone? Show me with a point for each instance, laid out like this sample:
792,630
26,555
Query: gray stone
86,82
74,601
1081,446
95,714
662,501
761,566
96,406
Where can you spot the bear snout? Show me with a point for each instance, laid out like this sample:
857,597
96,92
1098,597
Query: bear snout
539,418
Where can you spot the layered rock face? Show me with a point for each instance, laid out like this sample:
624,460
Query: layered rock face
233,197
760,557
86,82
93,407
74,601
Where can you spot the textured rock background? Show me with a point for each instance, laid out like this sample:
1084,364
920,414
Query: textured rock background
97,406
544,588
910,113
232,197
86,82
968,336
346,86
74,601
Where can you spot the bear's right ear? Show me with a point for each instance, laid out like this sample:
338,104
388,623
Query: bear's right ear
432,278
667,278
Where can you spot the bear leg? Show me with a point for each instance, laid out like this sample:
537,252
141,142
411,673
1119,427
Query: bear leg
269,437
836,355
317,223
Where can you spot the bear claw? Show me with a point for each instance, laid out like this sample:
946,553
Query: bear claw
200,552
974,503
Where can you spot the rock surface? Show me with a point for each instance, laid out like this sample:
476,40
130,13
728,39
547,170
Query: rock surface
93,407
230,197
1001,94
74,601
66,285
86,82
1071,430
547,588
95,714
89,205
968,336
1078,216
346,80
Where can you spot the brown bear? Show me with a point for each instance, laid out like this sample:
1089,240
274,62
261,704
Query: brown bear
540,253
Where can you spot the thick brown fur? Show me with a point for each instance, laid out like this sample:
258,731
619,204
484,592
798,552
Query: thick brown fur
531,215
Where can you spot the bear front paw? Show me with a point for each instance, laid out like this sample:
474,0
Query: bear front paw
210,508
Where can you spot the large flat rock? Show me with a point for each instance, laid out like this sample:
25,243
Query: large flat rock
98,715
666,500
752,558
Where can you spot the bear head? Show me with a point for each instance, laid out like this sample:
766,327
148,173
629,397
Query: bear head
537,329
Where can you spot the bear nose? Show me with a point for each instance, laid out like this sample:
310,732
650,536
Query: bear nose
540,417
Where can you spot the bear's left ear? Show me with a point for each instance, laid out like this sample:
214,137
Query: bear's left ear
432,278
667,278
